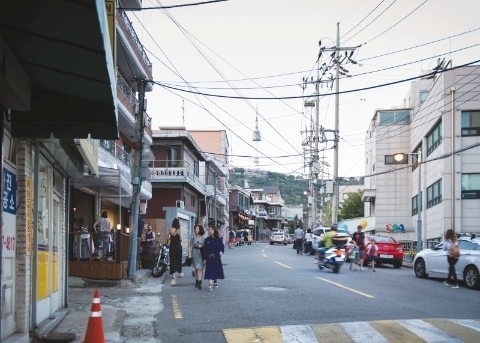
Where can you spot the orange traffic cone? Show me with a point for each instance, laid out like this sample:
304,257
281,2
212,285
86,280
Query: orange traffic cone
95,324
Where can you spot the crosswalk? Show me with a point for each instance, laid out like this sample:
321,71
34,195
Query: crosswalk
436,330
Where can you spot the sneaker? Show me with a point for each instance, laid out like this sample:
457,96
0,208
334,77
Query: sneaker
210,288
446,283
361,268
374,270
215,285
456,286
180,274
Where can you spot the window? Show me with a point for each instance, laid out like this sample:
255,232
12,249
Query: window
434,194
415,157
172,157
271,210
192,200
423,95
196,168
394,117
390,159
434,138
414,204
471,123
471,186
240,199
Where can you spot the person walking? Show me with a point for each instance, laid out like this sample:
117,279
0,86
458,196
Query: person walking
238,237
245,237
231,238
372,253
448,246
298,235
150,236
102,227
308,242
352,252
175,249
359,238
195,252
213,248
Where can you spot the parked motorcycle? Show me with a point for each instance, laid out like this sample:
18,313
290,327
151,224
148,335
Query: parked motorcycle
332,259
162,260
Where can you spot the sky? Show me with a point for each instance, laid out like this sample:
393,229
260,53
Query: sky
228,52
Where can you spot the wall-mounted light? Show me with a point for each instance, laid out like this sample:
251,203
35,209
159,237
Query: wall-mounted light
119,226
127,230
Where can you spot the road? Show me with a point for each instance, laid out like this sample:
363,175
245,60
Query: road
270,292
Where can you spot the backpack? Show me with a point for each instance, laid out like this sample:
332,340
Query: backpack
231,234
454,251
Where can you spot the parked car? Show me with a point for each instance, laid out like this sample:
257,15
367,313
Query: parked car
433,262
278,237
389,250
289,238
320,232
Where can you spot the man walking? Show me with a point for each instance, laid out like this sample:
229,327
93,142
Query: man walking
359,238
298,235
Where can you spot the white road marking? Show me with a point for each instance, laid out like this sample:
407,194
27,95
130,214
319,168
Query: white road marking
345,287
362,332
469,323
427,332
283,265
297,333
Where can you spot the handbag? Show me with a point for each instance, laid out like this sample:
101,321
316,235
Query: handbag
188,262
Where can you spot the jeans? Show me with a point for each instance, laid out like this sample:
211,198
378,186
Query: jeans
298,245
451,269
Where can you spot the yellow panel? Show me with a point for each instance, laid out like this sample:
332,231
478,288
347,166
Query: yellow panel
28,216
112,29
330,333
394,332
268,334
42,275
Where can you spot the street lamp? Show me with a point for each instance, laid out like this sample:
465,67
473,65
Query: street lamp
399,157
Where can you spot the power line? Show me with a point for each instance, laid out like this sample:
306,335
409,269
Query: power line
171,6
361,21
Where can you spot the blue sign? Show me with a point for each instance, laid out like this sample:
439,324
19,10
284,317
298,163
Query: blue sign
9,198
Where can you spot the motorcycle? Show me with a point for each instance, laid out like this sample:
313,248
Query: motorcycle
332,258
162,260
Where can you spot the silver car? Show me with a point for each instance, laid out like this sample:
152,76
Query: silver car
433,262
278,237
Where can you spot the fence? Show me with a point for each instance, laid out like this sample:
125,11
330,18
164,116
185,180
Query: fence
410,248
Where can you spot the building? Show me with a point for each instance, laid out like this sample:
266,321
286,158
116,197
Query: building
268,207
57,91
434,111
242,210
186,184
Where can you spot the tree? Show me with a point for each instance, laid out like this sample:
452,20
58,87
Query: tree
327,214
294,224
353,207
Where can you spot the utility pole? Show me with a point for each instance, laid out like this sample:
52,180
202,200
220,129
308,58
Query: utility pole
337,61
215,177
135,205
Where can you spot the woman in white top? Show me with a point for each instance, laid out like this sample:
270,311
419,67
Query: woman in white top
449,241
308,242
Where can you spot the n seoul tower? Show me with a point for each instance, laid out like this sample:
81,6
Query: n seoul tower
256,138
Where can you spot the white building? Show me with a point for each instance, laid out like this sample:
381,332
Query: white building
424,125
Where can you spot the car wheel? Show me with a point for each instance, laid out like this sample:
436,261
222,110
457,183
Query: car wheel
471,278
271,243
397,264
420,268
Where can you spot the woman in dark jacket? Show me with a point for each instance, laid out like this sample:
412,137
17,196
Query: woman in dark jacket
213,248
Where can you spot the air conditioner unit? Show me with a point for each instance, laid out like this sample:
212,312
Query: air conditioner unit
136,108
181,204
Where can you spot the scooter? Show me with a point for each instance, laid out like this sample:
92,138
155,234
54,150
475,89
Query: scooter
333,258
162,260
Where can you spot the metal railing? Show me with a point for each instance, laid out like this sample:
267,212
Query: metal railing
410,248
126,90
133,35
116,151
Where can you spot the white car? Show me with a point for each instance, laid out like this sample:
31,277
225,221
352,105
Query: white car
433,262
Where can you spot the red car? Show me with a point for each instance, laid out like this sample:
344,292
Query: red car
389,251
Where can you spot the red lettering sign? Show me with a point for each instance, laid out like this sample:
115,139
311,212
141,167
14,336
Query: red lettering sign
8,243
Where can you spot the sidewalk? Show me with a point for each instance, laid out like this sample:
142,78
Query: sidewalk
74,319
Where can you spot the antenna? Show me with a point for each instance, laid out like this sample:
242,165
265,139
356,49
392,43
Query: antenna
256,138
183,112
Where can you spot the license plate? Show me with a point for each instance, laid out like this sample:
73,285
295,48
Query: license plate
386,256
338,259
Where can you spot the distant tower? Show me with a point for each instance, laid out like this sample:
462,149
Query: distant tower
256,138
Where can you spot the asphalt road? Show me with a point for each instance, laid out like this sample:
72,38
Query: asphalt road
272,286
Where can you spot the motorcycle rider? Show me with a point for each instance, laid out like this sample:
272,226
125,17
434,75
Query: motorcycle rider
328,241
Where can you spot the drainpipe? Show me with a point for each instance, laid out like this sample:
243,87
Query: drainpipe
36,189
452,102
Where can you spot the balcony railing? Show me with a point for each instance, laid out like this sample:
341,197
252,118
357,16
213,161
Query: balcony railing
175,171
116,151
126,90
134,37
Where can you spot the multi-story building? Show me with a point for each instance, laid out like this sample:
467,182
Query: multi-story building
185,183
268,202
242,210
57,89
434,111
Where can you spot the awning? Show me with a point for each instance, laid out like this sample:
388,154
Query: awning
109,178
64,48
368,195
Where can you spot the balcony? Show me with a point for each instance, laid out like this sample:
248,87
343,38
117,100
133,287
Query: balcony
125,93
134,51
178,171
221,199
113,149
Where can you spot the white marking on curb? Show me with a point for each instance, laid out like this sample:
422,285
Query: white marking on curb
362,332
427,332
297,333
469,323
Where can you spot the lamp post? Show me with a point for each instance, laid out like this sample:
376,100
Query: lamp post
399,157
